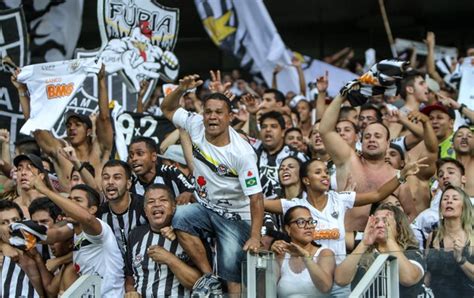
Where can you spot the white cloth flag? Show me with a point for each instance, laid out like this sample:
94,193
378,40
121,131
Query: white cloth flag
51,86
246,30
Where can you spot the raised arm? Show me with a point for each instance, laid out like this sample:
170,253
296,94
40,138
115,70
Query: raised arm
90,224
104,130
322,84
275,72
390,186
171,102
430,59
141,94
462,108
22,94
431,144
297,64
5,146
47,142
337,148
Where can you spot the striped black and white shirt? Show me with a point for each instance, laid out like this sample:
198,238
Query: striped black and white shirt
153,279
165,174
15,282
123,224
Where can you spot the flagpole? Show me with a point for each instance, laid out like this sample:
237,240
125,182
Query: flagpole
387,28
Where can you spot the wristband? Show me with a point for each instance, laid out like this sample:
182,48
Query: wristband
463,260
399,177
461,108
81,167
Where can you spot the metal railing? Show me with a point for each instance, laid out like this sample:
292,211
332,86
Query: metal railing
261,266
87,286
381,280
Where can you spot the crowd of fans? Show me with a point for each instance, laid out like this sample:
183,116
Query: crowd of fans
325,183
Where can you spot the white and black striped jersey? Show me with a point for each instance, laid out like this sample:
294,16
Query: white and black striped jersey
268,166
165,174
15,282
153,279
123,224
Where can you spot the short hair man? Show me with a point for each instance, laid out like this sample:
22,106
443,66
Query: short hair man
229,192
143,159
442,119
463,143
156,266
95,248
122,210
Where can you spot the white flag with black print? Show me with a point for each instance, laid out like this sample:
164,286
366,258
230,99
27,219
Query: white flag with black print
246,30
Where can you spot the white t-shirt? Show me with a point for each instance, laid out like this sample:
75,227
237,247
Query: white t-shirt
330,228
224,176
100,255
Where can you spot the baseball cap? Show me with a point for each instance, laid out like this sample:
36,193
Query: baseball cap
440,107
34,159
174,153
81,117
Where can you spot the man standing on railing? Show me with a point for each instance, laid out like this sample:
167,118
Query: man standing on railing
96,251
230,200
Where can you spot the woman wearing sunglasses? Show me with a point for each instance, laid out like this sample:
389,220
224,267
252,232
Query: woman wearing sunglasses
305,268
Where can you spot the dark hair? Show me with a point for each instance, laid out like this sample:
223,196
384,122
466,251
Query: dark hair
279,96
368,106
8,205
149,143
293,129
384,126
273,115
45,204
440,162
218,96
356,129
164,187
28,146
93,196
398,149
86,165
462,126
408,81
118,163
307,102
51,166
305,166
345,110
288,215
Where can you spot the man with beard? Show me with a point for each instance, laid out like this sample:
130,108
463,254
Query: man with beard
463,143
367,170
143,159
272,151
90,146
122,210
95,248
156,266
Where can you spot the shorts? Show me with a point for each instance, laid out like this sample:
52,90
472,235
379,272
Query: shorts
231,236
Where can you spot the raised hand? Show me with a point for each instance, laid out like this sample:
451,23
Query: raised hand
251,103
101,73
216,84
14,79
430,40
4,136
296,62
280,247
417,116
412,168
370,232
448,102
168,232
277,69
143,88
190,82
322,83
37,182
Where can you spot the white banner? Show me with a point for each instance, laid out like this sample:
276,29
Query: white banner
421,49
51,86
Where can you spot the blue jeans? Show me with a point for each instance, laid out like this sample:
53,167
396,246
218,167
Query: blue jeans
231,236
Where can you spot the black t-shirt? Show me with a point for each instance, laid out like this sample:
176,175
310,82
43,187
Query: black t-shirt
168,175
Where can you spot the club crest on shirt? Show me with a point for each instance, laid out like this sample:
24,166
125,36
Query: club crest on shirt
222,170
201,187
137,261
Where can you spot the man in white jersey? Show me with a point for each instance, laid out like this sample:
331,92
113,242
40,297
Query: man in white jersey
230,201
96,251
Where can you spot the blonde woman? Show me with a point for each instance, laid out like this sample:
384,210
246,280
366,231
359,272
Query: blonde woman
450,259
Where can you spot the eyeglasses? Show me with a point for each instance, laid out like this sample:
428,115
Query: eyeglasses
302,223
